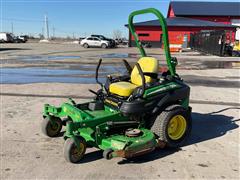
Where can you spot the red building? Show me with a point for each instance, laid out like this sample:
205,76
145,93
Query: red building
185,17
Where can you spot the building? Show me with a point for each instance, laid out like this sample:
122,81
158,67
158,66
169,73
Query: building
185,17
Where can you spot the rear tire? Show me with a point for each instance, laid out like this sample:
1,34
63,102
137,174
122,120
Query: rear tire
85,45
71,152
173,126
53,127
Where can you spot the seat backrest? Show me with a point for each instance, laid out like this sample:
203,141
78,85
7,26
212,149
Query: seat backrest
147,64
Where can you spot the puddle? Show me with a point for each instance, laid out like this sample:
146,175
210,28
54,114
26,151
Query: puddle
37,75
221,64
209,81
202,65
85,73
119,55
45,58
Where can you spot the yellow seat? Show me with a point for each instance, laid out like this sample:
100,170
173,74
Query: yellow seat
122,88
147,64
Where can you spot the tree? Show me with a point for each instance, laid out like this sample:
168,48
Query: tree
117,34
41,36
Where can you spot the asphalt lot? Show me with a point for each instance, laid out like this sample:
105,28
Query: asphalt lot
212,151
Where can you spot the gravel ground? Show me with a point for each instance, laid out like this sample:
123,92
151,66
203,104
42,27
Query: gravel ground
212,151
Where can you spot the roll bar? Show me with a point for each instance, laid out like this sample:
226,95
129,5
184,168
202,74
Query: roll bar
163,24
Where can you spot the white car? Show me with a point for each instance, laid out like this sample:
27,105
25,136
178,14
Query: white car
94,42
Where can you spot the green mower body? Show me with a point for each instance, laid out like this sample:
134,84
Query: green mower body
154,115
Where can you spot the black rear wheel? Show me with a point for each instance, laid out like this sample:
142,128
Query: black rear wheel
173,126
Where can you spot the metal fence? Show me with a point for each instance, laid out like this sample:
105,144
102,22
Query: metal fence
209,42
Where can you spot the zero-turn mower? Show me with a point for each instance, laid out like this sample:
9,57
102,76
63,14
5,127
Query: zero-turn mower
131,114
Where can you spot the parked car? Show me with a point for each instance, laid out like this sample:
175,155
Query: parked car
112,42
121,41
6,37
17,39
94,42
23,38
80,39
118,41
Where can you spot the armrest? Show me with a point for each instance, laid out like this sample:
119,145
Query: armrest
143,79
128,67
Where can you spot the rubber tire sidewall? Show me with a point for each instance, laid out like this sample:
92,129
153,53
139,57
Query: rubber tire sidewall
46,124
68,145
107,153
104,46
160,126
85,45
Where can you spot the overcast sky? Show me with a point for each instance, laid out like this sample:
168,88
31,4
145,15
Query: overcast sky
81,17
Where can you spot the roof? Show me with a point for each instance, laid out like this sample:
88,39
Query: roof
184,22
188,8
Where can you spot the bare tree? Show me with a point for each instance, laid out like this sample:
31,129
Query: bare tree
41,36
117,34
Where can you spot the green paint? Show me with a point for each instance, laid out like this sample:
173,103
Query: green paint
87,134
160,89
163,24
185,103
120,142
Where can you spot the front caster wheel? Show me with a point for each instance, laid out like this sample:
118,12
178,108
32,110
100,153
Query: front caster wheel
72,152
51,126
107,154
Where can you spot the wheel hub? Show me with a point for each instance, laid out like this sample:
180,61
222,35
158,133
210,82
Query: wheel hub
177,127
77,152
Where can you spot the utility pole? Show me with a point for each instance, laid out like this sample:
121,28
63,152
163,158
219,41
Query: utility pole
73,35
43,31
12,27
46,28
53,30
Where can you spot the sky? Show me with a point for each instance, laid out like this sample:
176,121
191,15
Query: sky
77,18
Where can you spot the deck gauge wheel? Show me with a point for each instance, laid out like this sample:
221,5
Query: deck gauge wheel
72,152
51,126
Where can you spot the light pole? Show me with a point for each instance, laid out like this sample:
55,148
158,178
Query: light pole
46,28
12,27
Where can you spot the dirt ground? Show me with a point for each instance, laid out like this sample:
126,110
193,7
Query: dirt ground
212,151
